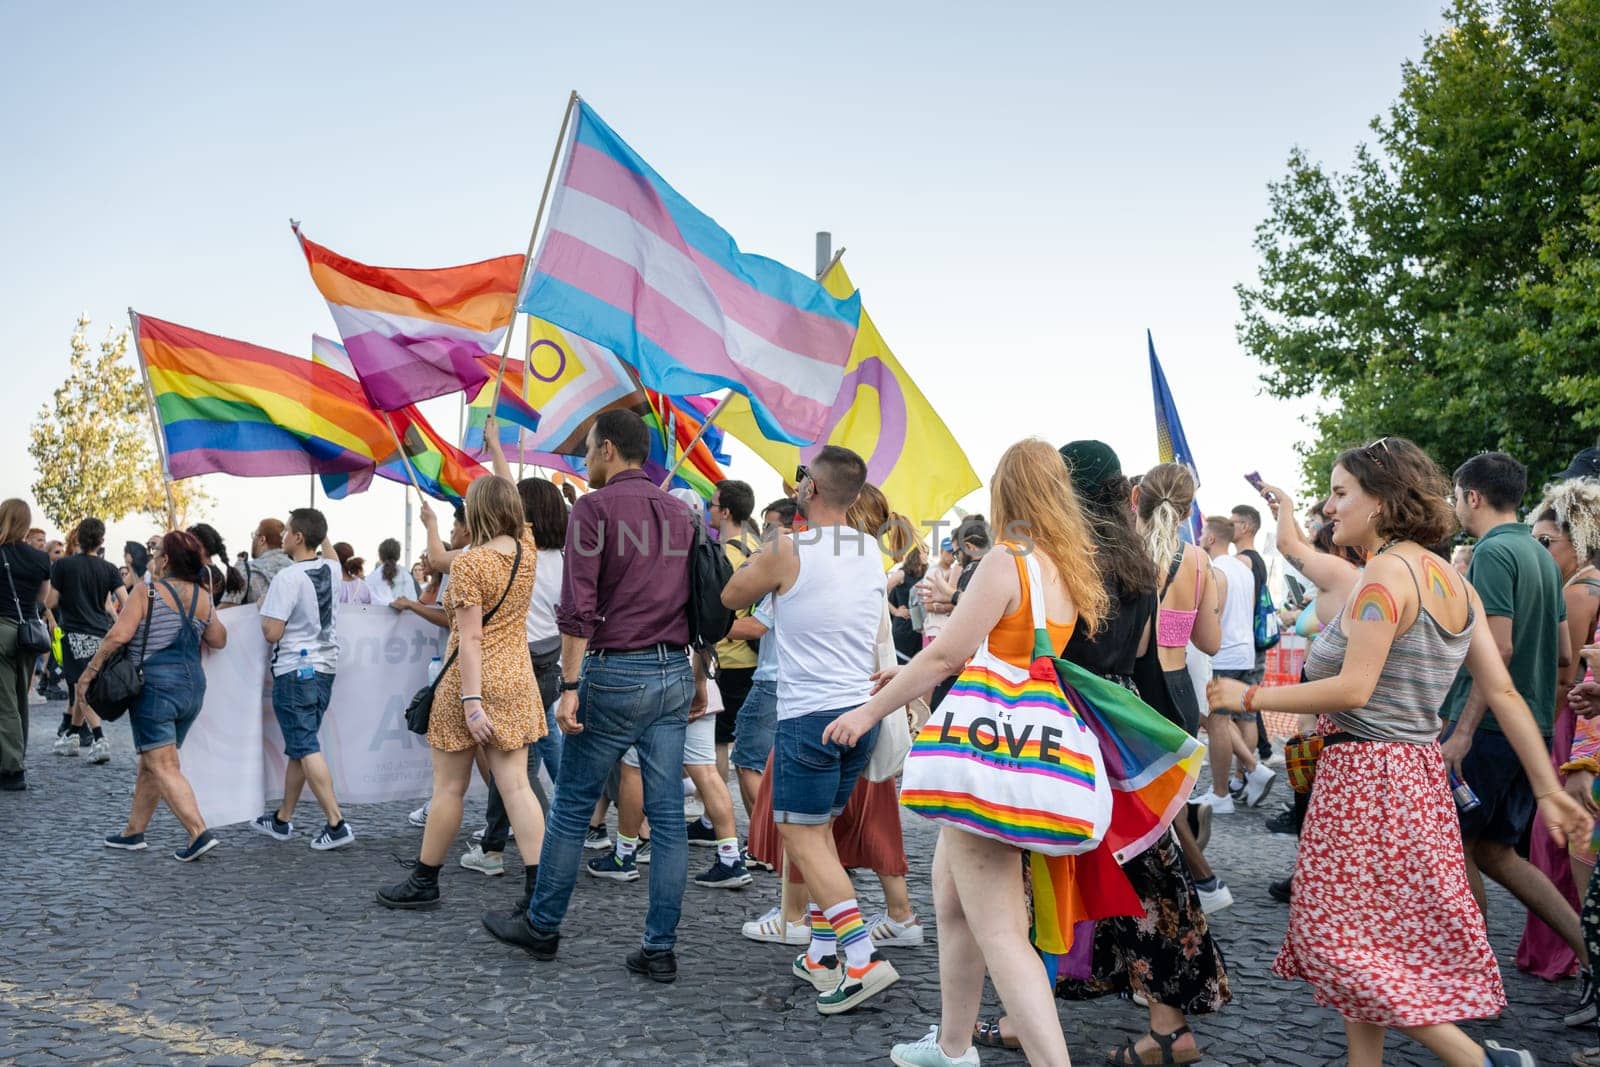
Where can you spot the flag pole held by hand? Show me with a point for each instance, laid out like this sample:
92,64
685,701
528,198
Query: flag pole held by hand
704,426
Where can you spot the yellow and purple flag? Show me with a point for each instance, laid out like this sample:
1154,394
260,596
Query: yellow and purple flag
880,414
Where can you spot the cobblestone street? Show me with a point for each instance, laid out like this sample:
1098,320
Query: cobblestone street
268,952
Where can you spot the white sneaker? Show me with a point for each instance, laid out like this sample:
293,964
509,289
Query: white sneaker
100,751
66,745
1212,900
1258,783
771,929
886,933
476,859
927,1053
419,818
1222,805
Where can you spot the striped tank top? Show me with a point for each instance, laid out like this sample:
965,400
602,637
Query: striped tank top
1417,676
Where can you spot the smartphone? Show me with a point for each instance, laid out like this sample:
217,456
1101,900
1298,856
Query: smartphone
1254,478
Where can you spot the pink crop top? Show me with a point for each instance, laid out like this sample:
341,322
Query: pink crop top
1174,625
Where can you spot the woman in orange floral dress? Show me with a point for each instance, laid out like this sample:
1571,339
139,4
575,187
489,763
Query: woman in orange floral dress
486,698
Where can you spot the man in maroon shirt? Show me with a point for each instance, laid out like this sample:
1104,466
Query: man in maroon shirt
626,680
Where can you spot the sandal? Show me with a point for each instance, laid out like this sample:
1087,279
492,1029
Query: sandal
1129,1055
987,1033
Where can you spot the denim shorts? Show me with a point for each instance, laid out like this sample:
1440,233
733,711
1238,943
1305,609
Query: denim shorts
757,723
299,706
812,781
1249,677
167,707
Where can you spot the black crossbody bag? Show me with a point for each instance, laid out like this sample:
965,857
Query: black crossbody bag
421,706
33,636
117,686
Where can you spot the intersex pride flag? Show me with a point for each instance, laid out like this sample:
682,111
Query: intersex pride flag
629,264
415,334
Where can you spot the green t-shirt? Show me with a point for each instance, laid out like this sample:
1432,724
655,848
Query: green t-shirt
1516,579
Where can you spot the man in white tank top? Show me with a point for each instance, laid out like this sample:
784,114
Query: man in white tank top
828,588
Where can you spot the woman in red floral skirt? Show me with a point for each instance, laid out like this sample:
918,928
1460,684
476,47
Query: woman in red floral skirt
1382,923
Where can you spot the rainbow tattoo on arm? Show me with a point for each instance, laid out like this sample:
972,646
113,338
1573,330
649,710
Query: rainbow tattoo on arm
1374,603
1433,574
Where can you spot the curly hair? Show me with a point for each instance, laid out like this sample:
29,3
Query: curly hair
1412,489
1574,505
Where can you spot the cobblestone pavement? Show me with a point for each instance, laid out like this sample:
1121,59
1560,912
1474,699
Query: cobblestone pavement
268,952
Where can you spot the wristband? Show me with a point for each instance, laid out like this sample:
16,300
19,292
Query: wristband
473,697
569,687
1248,703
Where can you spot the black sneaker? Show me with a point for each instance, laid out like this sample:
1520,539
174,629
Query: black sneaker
1586,1011
1280,891
516,930
658,965
268,823
700,835
642,853
722,876
753,864
126,842
614,867
596,838
329,838
197,848
413,894
14,782
1284,824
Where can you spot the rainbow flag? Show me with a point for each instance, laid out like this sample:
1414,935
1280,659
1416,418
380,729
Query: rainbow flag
631,265
883,417
701,471
415,334
441,470
229,407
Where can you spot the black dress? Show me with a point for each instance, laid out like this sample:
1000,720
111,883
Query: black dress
907,639
1168,955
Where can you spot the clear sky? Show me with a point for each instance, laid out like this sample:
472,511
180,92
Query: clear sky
1023,188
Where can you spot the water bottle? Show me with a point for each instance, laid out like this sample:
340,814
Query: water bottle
1466,799
435,666
305,672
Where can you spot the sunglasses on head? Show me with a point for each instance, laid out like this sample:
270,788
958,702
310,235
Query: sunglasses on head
801,473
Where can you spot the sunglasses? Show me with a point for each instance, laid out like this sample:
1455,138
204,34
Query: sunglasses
801,473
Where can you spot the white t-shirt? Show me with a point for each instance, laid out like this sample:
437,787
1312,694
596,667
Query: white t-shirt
826,625
305,596
1238,649
541,622
383,593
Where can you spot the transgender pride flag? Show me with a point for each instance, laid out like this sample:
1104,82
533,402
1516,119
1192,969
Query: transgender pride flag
631,265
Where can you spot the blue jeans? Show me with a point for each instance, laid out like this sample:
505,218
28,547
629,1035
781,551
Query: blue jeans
629,698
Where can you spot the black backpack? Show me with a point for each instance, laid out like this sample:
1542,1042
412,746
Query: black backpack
709,571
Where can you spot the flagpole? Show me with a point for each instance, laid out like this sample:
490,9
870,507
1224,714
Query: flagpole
155,423
312,478
704,426
527,263
404,458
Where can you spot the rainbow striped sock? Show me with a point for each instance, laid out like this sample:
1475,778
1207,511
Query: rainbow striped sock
845,918
822,939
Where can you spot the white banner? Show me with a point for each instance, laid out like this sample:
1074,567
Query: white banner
234,754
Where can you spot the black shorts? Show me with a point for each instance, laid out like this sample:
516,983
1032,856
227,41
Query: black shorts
734,685
76,652
1180,687
1505,796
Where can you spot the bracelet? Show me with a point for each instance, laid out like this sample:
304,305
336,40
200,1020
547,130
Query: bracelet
1248,703
1548,793
479,699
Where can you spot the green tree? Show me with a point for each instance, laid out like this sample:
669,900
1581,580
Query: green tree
1444,287
92,444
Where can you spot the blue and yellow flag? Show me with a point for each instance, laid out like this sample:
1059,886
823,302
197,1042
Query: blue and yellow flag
1171,445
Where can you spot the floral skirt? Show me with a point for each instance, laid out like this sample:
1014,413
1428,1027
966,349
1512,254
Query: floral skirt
1381,922
1166,955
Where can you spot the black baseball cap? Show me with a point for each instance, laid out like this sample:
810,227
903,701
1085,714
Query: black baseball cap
1585,464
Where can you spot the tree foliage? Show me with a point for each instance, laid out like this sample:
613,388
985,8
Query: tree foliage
92,444
1444,288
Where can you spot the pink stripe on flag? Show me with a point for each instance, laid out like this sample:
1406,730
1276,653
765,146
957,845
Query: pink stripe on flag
395,374
821,338
258,464
695,345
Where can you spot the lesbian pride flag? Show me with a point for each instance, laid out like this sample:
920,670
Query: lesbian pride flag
415,334
629,264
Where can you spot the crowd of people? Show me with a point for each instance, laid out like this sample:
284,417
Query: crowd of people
1449,708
